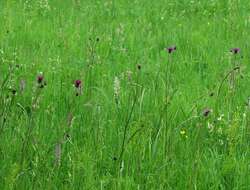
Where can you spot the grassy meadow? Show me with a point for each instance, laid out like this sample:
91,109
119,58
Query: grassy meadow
115,94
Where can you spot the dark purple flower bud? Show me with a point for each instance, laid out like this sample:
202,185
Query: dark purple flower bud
206,112
139,66
13,91
40,79
78,83
211,94
171,49
235,50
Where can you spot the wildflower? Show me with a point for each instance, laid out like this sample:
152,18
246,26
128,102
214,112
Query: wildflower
206,112
139,66
78,83
40,79
14,91
211,94
171,49
182,132
235,50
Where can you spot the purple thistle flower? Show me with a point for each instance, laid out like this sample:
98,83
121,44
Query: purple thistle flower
235,50
40,79
14,91
139,66
206,112
171,49
78,83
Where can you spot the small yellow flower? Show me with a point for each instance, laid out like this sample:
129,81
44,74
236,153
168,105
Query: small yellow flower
182,132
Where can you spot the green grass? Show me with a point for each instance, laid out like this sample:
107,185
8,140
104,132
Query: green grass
129,128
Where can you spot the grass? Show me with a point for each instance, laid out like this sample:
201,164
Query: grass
138,121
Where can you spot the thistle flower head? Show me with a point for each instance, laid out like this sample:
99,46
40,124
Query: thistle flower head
13,91
40,79
139,66
171,49
206,112
235,50
78,83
